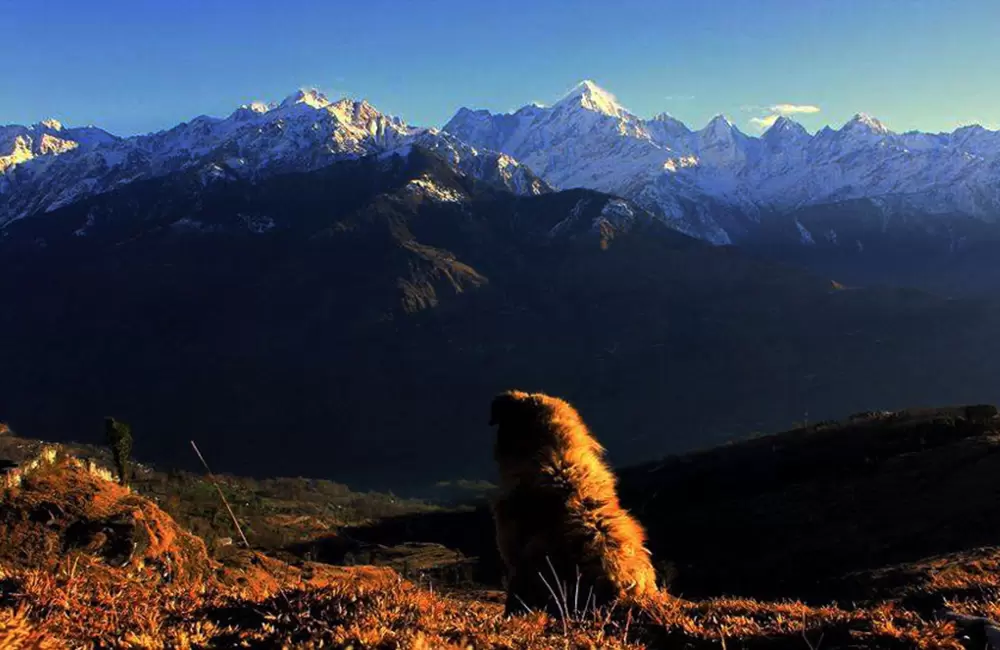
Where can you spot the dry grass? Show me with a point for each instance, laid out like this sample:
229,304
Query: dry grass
62,589
375,608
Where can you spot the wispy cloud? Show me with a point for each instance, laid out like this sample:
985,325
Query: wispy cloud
762,123
679,98
793,109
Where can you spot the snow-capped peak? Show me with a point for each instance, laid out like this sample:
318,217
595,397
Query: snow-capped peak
592,97
357,111
52,124
664,117
666,130
669,121
867,123
784,126
719,121
719,127
251,111
257,107
310,97
784,123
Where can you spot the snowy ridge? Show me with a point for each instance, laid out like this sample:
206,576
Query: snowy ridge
19,144
717,183
45,167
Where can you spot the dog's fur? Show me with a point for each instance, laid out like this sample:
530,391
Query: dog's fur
558,504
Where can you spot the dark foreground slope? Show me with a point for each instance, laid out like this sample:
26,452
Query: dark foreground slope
351,322
809,513
882,505
87,563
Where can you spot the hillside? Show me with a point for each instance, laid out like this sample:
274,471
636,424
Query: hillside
84,561
820,507
302,303
837,510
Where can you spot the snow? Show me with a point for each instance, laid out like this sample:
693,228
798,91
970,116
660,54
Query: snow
590,96
190,224
257,224
617,213
804,235
709,183
82,230
20,152
310,97
867,122
573,217
433,191
589,140
306,131
48,144
676,164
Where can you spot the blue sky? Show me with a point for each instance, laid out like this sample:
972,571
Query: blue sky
140,65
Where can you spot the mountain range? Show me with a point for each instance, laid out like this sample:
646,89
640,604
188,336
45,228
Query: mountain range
317,275
716,183
860,203
722,185
46,166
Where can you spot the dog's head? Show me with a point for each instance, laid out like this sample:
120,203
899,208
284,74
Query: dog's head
522,419
514,406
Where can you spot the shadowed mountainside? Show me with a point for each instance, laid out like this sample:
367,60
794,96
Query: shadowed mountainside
860,243
299,308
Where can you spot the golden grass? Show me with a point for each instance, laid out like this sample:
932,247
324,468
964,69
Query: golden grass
17,632
173,595
369,608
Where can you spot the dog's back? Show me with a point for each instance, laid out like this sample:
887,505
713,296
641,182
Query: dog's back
558,515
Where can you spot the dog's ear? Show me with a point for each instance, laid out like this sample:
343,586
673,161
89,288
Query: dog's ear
502,406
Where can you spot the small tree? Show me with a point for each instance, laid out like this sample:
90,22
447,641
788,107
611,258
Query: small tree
119,438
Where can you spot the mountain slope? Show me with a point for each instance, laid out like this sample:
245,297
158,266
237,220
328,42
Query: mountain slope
877,241
348,323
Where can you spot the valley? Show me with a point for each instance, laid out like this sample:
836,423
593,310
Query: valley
180,312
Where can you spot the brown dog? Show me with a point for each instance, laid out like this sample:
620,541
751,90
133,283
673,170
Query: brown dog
558,505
